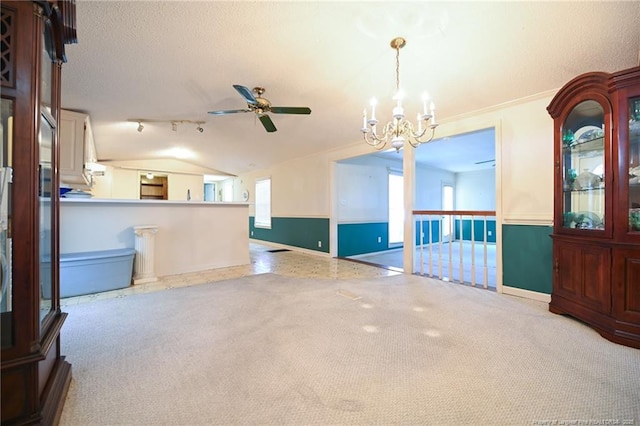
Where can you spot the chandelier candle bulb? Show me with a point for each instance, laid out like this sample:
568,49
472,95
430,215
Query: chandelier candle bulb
419,123
373,108
364,119
433,112
425,97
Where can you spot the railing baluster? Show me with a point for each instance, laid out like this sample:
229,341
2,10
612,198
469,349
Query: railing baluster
486,271
473,251
451,229
440,235
421,246
430,248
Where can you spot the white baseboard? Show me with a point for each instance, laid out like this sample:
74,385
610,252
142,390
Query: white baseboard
527,294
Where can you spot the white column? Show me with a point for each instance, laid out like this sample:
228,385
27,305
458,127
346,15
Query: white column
143,270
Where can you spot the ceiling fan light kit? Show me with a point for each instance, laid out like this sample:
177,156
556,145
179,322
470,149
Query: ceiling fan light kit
260,106
400,130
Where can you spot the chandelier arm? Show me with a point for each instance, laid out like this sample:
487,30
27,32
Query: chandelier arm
417,135
374,142
433,132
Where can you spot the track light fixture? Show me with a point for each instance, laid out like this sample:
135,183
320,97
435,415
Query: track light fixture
174,123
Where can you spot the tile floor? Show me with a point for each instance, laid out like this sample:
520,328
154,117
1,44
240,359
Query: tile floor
289,263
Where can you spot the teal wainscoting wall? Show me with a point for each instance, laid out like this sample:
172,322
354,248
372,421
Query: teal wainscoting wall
361,238
527,257
303,232
478,230
435,231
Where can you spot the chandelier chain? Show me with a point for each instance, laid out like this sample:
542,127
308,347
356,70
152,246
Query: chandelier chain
397,69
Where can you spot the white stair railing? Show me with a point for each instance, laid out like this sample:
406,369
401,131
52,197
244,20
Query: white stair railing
466,245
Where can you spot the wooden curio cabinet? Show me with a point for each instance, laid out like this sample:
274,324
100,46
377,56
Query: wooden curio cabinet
596,233
35,376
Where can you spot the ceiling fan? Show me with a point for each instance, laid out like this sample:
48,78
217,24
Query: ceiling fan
261,106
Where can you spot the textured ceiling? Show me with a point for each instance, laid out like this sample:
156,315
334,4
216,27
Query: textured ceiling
177,60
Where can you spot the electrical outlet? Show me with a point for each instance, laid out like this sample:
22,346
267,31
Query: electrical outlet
252,233
489,233
379,239
319,243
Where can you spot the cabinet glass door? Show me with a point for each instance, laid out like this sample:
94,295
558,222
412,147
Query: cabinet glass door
46,185
634,164
6,258
583,159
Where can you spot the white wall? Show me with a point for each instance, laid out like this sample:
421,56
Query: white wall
428,187
179,185
475,190
362,189
524,156
362,193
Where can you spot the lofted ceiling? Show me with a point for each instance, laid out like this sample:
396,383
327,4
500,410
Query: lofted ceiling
164,61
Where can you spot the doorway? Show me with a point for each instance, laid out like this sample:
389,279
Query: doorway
453,172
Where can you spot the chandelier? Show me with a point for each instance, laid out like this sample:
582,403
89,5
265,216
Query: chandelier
399,130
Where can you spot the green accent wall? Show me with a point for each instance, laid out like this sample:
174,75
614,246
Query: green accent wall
360,238
527,257
303,232
478,230
435,231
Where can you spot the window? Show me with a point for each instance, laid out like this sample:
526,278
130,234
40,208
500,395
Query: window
263,203
396,208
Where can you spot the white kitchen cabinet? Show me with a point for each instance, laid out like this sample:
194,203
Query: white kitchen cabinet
77,149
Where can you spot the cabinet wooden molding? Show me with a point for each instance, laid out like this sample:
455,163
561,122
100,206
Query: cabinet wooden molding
596,232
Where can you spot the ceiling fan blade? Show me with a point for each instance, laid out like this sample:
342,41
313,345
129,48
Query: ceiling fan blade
290,110
229,111
246,94
267,123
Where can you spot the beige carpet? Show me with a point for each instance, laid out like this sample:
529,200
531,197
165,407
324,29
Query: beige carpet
269,349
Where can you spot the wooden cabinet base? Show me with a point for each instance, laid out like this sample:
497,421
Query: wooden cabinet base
626,334
20,403
56,392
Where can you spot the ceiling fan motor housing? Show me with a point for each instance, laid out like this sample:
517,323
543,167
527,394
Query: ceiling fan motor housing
263,104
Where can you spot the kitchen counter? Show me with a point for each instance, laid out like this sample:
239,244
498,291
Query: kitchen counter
192,235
